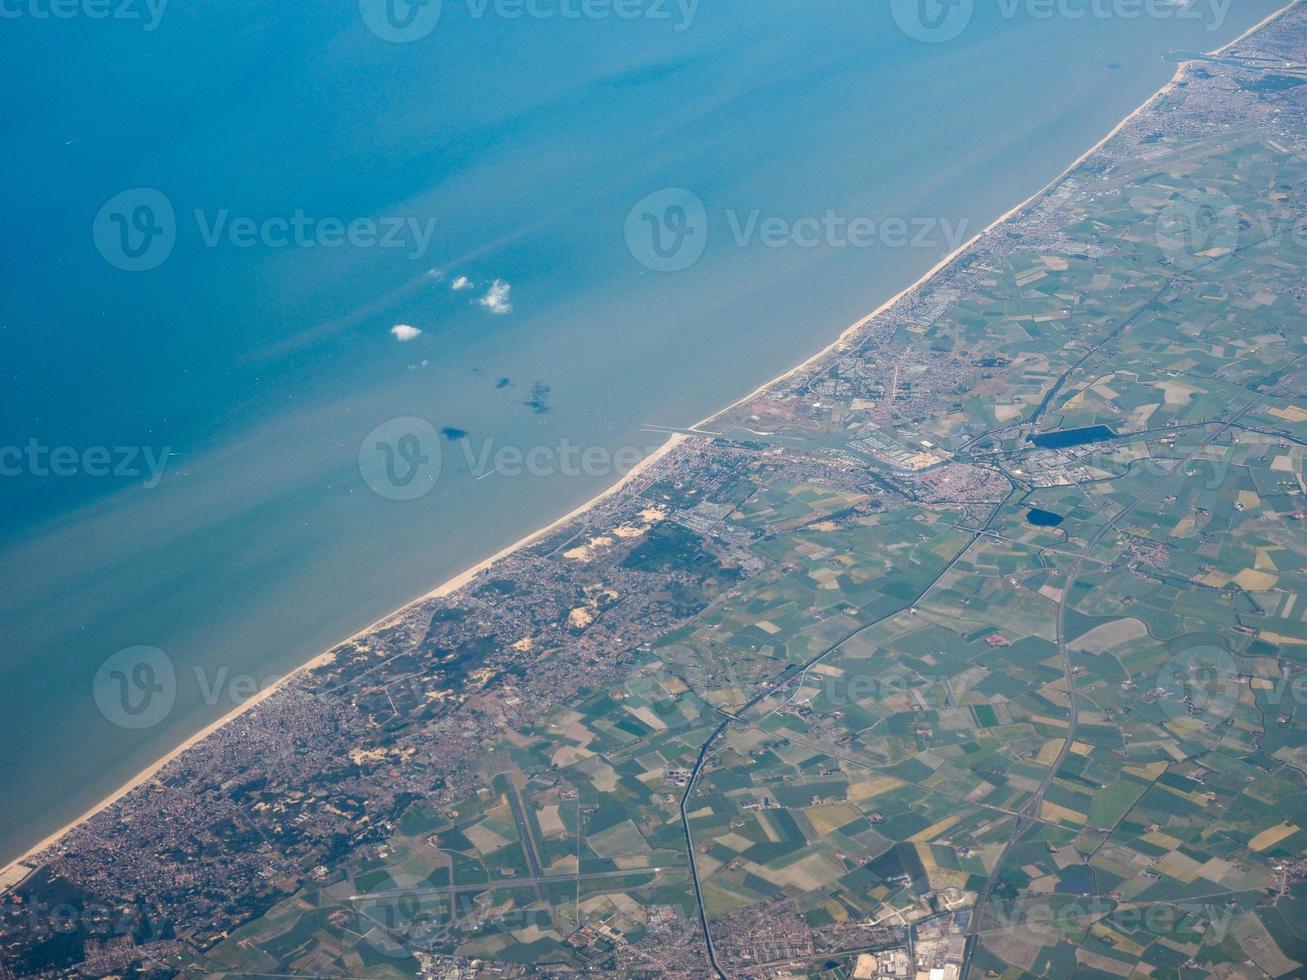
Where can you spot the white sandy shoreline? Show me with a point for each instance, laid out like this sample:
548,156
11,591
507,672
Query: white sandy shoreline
1002,219
326,657
8,871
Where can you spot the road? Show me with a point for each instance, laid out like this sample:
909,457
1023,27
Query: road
766,688
1026,819
528,838
689,847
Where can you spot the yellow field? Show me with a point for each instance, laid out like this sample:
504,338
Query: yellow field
824,819
1271,836
934,830
1056,812
868,789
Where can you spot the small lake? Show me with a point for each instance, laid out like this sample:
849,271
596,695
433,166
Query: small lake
1062,438
1044,518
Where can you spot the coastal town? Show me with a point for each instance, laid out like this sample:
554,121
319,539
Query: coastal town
887,671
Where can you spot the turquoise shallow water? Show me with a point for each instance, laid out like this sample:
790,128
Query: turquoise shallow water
526,141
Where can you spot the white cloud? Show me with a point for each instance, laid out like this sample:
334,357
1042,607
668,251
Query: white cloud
496,298
463,282
404,333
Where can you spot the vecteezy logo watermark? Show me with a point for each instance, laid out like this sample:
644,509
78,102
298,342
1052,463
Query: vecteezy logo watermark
936,21
414,915
39,460
136,687
932,21
400,21
679,686
667,231
1199,228
1201,682
148,12
400,459
405,21
1048,467
407,918
137,230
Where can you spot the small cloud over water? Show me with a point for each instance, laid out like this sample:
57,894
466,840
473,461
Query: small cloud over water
404,333
496,299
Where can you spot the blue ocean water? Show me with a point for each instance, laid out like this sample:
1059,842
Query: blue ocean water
259,353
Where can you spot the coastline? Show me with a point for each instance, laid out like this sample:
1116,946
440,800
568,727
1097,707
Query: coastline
1007,216
24,861
327,656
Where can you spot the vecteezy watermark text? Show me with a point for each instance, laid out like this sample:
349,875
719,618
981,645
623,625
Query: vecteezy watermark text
300,230
668,230
1055,919
1204,229
137,230
833,230
937,21
36,459
405,21
402,459
147,12
485,457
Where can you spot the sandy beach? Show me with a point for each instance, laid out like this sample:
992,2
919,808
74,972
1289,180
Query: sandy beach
10,872
851,332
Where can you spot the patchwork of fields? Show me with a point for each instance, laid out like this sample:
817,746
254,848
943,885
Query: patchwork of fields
1075,747
860,679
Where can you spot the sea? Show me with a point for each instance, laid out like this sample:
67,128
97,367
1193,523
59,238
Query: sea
307,308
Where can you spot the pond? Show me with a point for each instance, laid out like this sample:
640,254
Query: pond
1062,438
1044,518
